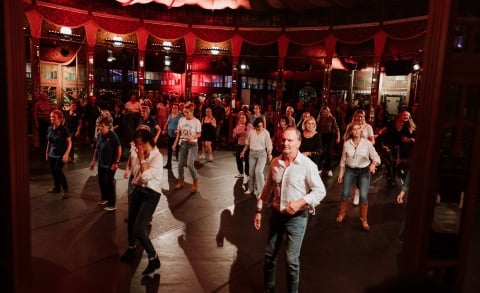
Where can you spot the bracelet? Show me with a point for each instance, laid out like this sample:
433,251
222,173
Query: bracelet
143,161
258,211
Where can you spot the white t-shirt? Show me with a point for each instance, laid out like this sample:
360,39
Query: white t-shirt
187,128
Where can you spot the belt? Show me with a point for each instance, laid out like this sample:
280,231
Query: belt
358,169
302,214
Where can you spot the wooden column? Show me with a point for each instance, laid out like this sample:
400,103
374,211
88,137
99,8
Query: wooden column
35,20
235,79
330,43
190,42
91,71
141,72
236,50
15,267
282,53
91,34
444,172
380,40
188,79
142,40
279,87
327,81
375,85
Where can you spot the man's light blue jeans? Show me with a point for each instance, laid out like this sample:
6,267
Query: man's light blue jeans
294,228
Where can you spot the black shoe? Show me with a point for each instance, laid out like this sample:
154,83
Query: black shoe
153,264
54,190
128,255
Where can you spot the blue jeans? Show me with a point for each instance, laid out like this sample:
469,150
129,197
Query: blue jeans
141,205
188,152
257,160
294,227
363,176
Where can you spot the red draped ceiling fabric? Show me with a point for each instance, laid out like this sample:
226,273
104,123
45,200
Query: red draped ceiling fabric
205,4
404,30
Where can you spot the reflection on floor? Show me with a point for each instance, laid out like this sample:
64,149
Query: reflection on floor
205,240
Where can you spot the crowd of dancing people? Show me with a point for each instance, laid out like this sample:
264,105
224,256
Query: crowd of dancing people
360,140
216,124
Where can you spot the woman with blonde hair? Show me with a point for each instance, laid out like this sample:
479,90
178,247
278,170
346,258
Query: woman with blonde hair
189,131
312,145
366,131
399,138
289,111
330,132
359,160
209,128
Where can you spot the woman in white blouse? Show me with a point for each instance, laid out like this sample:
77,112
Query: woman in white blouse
366,131
260,145
359,160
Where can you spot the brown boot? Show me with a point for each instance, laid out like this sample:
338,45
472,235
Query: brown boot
195,184
363,216
341,211
179,184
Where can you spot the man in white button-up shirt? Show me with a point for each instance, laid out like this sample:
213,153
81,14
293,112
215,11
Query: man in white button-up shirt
297,188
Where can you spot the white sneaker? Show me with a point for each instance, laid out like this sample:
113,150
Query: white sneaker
248,192
329,173
102,202
202,156
109,209
356,197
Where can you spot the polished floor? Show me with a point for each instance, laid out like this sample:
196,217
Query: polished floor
205,240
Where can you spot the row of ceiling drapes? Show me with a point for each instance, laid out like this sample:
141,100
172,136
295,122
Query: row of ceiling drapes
390,38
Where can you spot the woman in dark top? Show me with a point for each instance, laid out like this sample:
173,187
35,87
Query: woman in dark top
398,140
312,142
59,144
107,152
209,126
74,122
330,132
